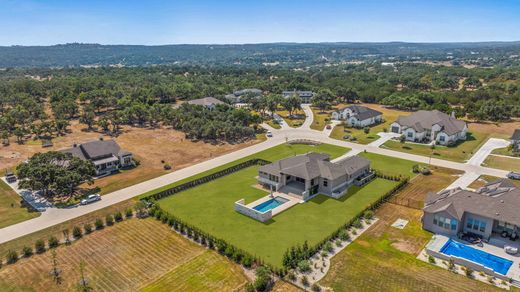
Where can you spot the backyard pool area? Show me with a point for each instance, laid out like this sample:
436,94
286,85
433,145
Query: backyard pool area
493,262
270,204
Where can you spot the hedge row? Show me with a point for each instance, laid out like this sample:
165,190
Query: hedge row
205,179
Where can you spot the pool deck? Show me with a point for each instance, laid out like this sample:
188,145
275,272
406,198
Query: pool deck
495,247
291,202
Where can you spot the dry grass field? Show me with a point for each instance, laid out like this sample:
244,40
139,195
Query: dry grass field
283,286
127,257
501,162
150,147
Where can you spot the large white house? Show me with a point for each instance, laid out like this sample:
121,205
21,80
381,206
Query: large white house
427,126
358,116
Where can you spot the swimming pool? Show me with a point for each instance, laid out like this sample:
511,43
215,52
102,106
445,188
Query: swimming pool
270,204
497,264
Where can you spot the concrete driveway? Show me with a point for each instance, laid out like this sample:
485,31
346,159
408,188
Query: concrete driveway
486,149
383,137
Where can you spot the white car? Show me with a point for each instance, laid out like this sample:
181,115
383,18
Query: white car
91,199
513,175
269,134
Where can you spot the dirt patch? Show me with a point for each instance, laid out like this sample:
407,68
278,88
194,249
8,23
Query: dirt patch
405,246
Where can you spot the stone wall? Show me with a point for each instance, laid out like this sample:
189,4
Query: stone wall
240,207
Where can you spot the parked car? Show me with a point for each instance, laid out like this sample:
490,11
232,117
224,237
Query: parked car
269,134
513,175
329,127
91,199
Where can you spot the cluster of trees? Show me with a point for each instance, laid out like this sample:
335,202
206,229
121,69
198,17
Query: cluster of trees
43,102
54,173
270,103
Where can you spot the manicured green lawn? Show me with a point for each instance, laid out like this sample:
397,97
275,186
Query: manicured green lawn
321,118
271,154
460,153
11,212
210,208
390,165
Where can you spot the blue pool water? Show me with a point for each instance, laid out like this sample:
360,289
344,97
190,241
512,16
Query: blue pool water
497,264
270,204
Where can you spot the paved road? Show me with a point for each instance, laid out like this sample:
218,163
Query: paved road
53,216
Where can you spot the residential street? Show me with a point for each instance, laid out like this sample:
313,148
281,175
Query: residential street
52,216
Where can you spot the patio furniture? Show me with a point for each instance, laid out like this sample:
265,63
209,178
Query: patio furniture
513,236
510,249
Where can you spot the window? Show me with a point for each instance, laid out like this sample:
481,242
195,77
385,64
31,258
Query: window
409,134
442,138
469,223
325,182
477,225
482,226
445,223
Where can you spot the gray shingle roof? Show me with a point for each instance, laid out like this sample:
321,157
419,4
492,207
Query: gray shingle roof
362,112
97,149
206,101
497,200
312,165
516,135
422,120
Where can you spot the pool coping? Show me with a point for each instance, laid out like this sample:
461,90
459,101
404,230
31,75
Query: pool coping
291,201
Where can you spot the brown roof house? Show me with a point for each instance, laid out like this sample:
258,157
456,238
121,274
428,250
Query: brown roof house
490,211
309,174
430,126
106,156
358,116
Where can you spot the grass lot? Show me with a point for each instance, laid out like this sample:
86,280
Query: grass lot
390,165
271,154
506,152
57,230
505,163
283,286
273,124
210,208
460,153
208,271
11,210
384,258
483,179
125,257
319,120
296,120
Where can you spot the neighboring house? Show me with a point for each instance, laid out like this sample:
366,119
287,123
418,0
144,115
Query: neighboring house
209,102
309,174
515,140
305,96
358,116
490,211
237,96
106,156
428,126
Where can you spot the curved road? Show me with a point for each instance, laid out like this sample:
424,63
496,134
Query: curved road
53,216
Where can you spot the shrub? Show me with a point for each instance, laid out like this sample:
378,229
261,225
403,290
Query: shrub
98,224
366,130
315,287
229,251
53,242
12,257
27,251
468,272
343,235
118,217
88,228
324,253
304,266
129,213
431,259
263,278
415,168
328,247
247,261
338,243
369,214
109,220
357,223
305,281
39,246
76,232
402,139
291,276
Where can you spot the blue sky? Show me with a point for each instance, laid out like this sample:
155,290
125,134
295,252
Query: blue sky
154,22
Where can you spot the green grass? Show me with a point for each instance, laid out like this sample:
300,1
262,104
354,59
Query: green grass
321,118
390,165
210,208
500,162
271,154
11,211
460,153
208,271
506,151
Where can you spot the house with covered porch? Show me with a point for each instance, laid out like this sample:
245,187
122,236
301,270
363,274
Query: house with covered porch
309,174
491,212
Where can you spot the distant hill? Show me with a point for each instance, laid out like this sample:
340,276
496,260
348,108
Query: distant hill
282,54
